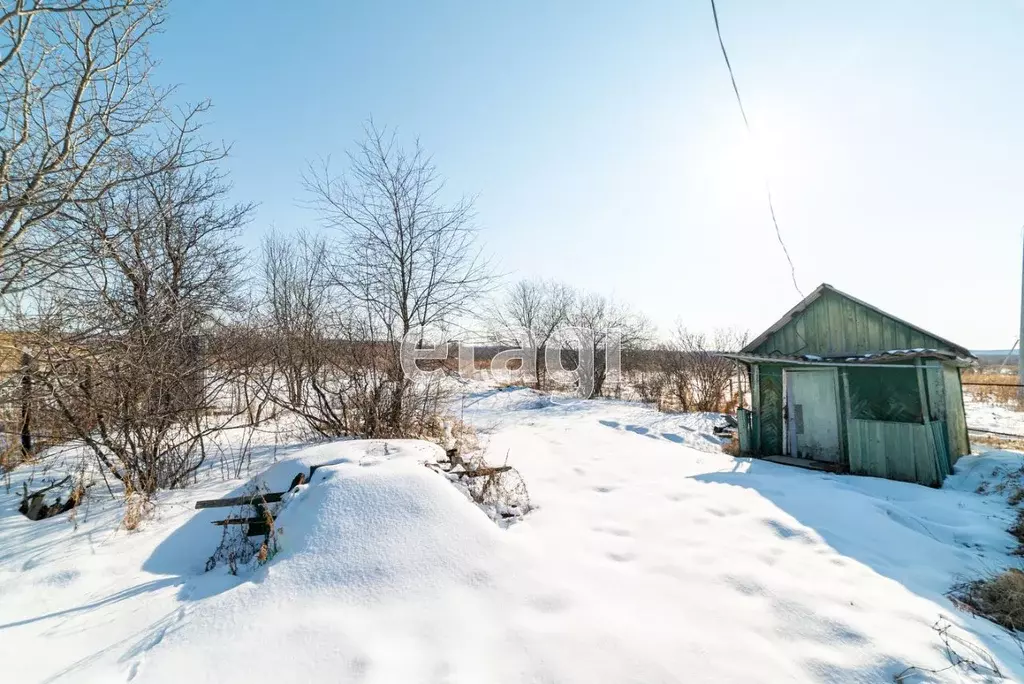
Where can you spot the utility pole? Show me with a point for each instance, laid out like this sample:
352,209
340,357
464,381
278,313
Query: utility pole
1020,347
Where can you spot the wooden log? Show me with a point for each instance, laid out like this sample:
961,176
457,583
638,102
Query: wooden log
35,506
269,497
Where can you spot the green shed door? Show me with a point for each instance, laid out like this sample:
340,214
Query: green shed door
813,414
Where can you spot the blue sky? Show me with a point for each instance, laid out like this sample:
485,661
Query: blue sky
606,150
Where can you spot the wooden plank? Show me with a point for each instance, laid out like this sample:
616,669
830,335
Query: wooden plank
755,400
270,497
879,457
900,453
743,419
855,446
240,521
836,325
956,421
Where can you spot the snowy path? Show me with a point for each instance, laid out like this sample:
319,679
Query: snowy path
650,558
829,578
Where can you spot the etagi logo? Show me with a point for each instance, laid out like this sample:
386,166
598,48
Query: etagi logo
584,353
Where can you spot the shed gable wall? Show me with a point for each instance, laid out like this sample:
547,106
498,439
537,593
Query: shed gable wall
833,324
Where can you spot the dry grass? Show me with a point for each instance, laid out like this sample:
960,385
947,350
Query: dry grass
137,507
999,598
997,441
1001,389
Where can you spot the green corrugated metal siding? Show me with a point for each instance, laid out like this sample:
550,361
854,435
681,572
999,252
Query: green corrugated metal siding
833,324
771,410
912,452
942,459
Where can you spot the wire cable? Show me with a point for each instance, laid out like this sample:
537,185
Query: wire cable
750,133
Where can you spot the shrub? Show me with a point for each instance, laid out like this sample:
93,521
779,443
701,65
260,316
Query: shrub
999,598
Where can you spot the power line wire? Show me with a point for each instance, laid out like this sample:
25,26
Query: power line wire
750,133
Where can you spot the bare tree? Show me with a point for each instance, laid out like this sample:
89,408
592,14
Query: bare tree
531,315
296,298
323,358
603,327
123,342
408,257
75,100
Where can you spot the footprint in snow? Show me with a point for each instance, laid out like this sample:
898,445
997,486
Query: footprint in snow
786,532
622,557
549,603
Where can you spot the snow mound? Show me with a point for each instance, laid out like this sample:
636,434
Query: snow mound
371,537
377,527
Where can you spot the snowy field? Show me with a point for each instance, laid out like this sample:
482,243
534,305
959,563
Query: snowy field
996,417
650,557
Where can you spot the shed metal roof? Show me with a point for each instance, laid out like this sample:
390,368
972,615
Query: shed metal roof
822,289
892,358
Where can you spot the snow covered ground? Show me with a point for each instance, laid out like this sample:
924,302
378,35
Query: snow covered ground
995,417
649,557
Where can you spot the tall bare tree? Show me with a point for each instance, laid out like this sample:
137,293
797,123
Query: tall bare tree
408,257
75,99
603,327
531,315
296,298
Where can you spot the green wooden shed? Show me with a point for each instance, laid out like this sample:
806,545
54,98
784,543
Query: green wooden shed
841,385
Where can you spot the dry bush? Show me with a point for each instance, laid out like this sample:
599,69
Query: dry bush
960,653
650,385
999,597
137,507
698,377
732,447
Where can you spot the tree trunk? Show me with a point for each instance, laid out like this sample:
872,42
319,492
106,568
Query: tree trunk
26,408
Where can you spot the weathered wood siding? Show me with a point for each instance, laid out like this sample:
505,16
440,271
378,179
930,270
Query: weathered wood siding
912,452
833,324
743,431
959,444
